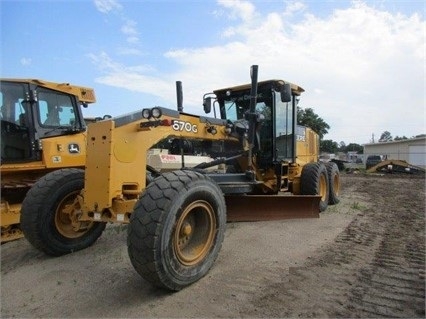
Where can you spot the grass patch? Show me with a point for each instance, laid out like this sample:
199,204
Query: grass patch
357,206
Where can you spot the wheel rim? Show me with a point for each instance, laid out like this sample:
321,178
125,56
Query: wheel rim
194,233
66,221
323,187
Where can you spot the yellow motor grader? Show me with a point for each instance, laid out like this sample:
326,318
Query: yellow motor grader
42,130
256,164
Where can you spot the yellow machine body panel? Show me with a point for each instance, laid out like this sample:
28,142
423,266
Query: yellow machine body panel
121,176
307,147
31,145
58,152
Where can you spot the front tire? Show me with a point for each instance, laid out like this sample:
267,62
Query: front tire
314,181
177,229
44,218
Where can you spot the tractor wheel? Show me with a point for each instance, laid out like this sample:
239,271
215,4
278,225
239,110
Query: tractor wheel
314,181
334,181
47,218
151,174
177,229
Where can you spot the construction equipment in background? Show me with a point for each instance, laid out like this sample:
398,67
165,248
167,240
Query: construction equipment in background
395,166
254,163
42,130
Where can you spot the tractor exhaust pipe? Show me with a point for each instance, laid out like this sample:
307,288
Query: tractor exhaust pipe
253,100
251,116
179,94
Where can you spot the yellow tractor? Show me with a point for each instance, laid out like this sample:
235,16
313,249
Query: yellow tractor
42,130
255,163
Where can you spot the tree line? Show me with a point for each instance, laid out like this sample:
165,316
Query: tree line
308,117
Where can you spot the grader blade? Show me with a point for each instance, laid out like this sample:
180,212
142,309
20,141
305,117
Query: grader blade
271,207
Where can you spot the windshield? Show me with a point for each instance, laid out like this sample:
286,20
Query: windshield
12,108
28,112
236,105
15,117
55,109
275,130
52,110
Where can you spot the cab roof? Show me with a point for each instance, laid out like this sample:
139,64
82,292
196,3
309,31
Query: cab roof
297,90
84,94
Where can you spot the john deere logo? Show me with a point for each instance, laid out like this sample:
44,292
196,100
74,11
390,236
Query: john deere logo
73,148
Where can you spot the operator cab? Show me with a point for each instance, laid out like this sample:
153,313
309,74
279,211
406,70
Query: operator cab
30,112
276,107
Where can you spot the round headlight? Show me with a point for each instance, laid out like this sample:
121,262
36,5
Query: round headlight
146,113
156,112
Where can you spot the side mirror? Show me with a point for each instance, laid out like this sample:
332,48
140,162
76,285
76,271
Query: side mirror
208,104
285,93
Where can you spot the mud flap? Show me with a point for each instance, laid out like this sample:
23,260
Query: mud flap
271,207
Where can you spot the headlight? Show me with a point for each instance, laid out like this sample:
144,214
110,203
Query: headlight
146,113
156,112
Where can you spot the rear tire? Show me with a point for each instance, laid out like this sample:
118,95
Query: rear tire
44,223
314,181
177,229
334,181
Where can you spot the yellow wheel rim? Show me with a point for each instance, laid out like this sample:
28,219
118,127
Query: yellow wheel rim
336,185
66,223
323,187
194,233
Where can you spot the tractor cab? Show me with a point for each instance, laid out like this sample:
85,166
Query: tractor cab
32,110
275,116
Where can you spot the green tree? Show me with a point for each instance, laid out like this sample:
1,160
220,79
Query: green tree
385,137
308,117
353,147
397,138
328,146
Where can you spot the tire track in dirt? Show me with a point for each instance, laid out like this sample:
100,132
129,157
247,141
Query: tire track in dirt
393,285
375,268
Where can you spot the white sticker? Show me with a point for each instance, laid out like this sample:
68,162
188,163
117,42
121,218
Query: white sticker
97,216
120,217
56,159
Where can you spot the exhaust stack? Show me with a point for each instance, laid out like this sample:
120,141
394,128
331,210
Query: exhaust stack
179,95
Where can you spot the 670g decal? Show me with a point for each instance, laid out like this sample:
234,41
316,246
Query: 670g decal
184,126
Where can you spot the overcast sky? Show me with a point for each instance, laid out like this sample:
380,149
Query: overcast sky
361,63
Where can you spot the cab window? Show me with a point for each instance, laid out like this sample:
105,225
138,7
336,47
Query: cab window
11,98
55,109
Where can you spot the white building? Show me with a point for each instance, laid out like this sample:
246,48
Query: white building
411,150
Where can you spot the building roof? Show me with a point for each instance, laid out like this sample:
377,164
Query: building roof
415,139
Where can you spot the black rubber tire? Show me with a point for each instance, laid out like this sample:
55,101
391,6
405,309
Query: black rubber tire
314,181
151,174
155,223
334,182
39,212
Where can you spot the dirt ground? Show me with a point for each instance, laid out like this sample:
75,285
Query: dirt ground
364,257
